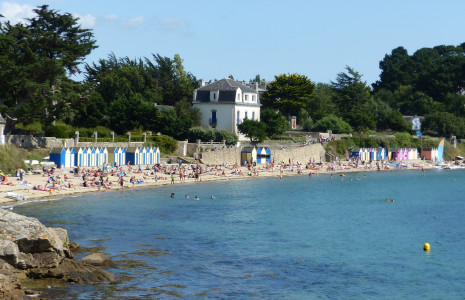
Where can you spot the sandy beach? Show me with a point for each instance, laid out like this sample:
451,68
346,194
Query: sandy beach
65,182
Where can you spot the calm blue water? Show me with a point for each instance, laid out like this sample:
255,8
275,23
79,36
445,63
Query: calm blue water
296,238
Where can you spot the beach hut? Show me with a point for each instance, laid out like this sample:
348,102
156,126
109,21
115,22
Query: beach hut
120,156
92,157
70,160
413,154
79,156
110,155
268,155
259,155
249,155
58,156
145,160
103,154
132,155
156,155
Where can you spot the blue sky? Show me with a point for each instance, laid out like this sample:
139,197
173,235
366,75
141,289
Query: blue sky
245,38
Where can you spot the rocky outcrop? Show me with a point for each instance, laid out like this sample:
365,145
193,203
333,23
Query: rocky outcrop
28,249
97,259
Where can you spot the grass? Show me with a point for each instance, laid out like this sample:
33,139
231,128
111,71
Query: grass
12,157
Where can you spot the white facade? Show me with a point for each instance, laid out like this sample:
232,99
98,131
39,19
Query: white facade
225,104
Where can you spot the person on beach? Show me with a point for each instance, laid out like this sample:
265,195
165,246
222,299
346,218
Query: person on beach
121,182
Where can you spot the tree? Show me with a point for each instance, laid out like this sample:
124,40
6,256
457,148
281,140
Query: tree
353,99
443,124
333,123
275,122
34,59
288,93
254,130
322,104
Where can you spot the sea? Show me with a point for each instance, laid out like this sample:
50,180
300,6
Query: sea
298,237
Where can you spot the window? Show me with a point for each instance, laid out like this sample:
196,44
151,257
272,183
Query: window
253,98
238,120
214,96
245,117
245,97
253,116
239,97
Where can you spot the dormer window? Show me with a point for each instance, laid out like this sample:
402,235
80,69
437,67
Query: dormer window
214,96
245,97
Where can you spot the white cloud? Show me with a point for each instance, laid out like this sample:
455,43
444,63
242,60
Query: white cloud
171,24
16,13
87,21
134,22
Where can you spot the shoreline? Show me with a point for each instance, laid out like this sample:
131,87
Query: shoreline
210,173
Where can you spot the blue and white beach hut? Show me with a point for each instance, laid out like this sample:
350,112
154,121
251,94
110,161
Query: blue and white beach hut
80,157
92,157
58,156
156,155
120,156
144,156
70,160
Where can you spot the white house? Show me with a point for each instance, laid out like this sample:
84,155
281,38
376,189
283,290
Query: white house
226,103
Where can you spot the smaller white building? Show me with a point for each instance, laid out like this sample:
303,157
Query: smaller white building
226,103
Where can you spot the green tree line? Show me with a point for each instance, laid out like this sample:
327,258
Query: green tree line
39,56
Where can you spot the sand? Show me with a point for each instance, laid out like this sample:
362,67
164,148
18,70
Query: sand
25,188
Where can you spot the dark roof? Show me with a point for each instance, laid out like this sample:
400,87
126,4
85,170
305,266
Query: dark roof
226,91
226,85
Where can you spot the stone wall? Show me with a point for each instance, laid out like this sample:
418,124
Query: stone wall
296,154
218,157
299,154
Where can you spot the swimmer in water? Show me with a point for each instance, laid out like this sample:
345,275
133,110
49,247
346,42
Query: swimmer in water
187,196
212,197
172,195
196,198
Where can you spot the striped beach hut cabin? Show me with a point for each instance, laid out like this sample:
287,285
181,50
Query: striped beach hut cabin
92,157
58,156
79,157
120,158
381,154
70,158
248,155
155,155
263,155
413,153
112,152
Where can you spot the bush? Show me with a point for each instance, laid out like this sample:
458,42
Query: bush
333,123
206,135
59,130
166,143
34,129
225,135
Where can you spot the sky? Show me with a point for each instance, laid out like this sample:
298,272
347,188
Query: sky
217,38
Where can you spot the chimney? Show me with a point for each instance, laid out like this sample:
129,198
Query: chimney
202,82
256,87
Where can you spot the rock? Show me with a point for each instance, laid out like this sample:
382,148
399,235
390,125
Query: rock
97,259
30,249
15,227
74,247
73,271
9,251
